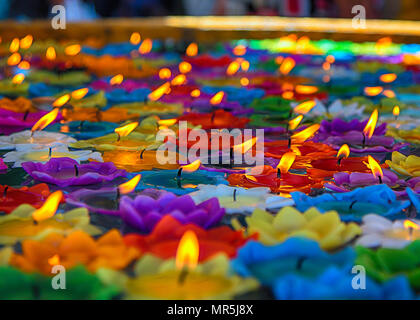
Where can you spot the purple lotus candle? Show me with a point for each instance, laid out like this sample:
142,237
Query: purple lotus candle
360,179
65,172
144,212
3,167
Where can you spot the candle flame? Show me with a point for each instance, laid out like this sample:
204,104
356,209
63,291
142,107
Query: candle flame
61,100
165,73
239,50
293,124
159,92
192,49
306,89
14,45
396,111
188,251
146,46
287,65
245,146
286,162
72,50
179,80
388,77
14,59
408,224
184,67
50,54
24,65
288,95
326,66
49,207
18,78
250,177
135,38
371,124
373,91
45,120
130,185
26,42
195,93
193,166
167,122
344,151
126,130
79,93
330,59
305,134
232,68
217,98
375,167
305,107
54,260
115,80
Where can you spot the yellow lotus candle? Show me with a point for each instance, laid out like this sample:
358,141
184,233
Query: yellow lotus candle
26,222
326,228
151,107
123,139
412,136
183,278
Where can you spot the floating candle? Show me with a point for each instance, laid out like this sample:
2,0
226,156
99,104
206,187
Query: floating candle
163,240
325,228
78,247
11,197
405,165
240,200
22,154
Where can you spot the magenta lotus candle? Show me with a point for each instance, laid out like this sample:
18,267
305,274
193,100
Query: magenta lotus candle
144,212
11,122
65,172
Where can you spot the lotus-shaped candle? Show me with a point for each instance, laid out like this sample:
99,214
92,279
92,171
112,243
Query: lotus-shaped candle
405,165
65,172
144,212
325,228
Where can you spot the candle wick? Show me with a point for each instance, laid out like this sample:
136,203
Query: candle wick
49,152
25,115
118,194
352,204
339,161
32,133
364,140
231,156
5,191
145,101
76,170
182,276
118,137
234,195
213,115
278,173
81,125
35,222
380,179
290,113
289,143
98,115
141,154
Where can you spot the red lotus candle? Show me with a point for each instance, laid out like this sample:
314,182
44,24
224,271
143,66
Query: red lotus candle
279,180
163,241
11,198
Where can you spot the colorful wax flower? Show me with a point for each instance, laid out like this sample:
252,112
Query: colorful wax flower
405,165
108,251
144,212
164,239
353,205
325,228
299,256
387,263
14,197
65,172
